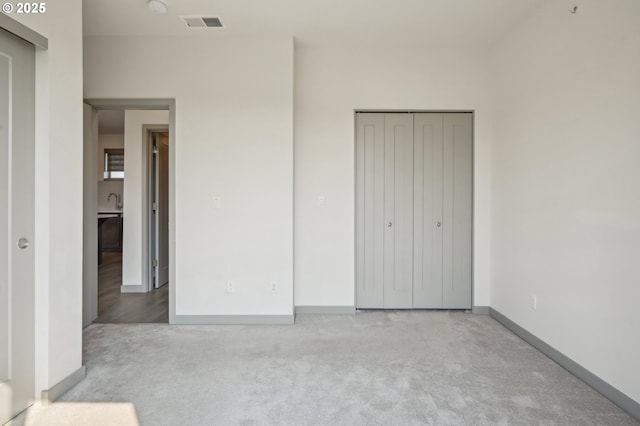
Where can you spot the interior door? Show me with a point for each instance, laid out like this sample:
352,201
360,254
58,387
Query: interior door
384,207
370,226
398,211
17,224
457,210
427,207
162,223
414,210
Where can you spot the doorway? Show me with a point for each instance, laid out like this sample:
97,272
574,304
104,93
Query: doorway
414,210
17,225
123,290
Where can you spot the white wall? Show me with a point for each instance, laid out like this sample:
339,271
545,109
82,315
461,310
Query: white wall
58,242
329,85
135,195
566,205
234,140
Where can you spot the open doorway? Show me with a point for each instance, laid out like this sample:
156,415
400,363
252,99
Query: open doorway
132,206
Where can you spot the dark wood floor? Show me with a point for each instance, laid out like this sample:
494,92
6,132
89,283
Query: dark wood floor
116,307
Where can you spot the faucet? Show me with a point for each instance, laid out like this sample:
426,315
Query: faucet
118,200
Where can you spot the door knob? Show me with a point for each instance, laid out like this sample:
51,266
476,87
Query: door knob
438,224
389,224
23,243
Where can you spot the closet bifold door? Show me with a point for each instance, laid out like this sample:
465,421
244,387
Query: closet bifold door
457,210
427,208
398,211
370,225
413,210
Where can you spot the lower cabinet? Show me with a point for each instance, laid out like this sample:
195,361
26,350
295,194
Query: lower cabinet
111,231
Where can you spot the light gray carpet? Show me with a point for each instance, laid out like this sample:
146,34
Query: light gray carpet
374,368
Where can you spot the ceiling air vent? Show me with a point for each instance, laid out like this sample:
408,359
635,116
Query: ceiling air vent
201,22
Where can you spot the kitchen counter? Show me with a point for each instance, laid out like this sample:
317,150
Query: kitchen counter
107,215
111,213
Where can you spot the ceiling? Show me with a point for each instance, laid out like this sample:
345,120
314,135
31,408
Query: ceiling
111,122
461,23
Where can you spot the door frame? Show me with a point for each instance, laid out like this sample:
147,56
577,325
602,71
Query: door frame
357,111
153,104
149,130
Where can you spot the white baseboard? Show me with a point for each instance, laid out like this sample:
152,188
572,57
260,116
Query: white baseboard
133,289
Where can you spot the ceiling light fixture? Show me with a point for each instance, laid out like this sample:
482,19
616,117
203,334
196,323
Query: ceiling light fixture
158,6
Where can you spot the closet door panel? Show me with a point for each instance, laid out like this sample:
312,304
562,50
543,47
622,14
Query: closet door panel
369,210
398,252
457,210
427,244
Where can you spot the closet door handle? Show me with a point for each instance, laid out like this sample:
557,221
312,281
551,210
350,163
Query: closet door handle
23,243
438,224
389,224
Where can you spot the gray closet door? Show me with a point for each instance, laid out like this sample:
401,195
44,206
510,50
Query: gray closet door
442,210
369,210
457,210
413,209
398,211
427,207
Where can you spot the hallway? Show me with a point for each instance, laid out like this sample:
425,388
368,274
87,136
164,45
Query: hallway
120,308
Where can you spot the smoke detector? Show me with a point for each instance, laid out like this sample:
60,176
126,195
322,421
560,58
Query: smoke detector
158,6
201,22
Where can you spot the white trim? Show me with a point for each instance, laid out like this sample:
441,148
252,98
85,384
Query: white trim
19,30
156,104
133,288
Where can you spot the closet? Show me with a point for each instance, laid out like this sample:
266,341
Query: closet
413,210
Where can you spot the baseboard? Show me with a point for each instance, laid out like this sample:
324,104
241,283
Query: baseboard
325,310
614,395
133,289
480,310
56,391
233,320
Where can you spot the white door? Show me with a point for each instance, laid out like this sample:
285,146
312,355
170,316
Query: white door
159,220
162,223
17,193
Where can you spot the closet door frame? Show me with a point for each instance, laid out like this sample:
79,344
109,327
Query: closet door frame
356,189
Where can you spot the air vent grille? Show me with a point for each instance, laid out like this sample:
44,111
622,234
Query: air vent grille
212,22
201,22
